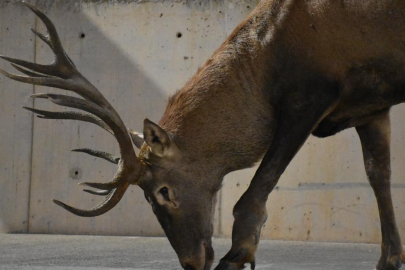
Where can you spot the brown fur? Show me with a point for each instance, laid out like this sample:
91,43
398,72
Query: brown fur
291,68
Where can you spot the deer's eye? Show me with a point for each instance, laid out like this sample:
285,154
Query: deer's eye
165,193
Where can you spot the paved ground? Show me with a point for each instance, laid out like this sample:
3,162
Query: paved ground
56,252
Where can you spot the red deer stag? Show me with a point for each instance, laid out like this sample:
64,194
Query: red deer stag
291,69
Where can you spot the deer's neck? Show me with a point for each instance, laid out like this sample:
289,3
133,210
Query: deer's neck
224,115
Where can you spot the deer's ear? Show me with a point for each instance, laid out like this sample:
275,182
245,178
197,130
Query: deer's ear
158,140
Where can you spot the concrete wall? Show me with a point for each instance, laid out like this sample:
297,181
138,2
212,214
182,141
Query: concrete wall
132,52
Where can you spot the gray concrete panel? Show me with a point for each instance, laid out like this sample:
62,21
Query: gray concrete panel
15,123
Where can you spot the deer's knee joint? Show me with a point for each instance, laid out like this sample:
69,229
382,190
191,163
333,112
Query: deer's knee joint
238,209
253,213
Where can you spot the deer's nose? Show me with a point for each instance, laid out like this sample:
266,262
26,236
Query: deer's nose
189,267
197,259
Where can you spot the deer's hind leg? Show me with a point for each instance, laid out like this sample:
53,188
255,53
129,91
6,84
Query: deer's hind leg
375,140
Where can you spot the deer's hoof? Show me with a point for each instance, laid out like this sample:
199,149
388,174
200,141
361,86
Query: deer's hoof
396,262
392,263
224,264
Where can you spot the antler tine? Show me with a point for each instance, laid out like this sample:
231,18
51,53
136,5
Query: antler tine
63,74
99,154
121,177
53,39
45,39
97,192
79,103
45,81
109,202
44,69
121,134
62,68
27,72
85,117
115,189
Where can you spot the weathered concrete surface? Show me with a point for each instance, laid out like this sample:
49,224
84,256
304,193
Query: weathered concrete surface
132,52
44,252
15,124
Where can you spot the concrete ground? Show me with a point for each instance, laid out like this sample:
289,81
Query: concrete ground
57,252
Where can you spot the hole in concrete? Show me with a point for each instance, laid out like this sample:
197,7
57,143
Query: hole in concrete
75,173
179,35
82,35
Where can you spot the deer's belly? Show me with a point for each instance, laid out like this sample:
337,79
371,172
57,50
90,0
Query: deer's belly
329,127
354,112
369,88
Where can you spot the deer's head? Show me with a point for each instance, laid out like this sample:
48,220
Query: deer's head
172,186
167,176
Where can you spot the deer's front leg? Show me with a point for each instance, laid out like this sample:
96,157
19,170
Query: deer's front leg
293,128
375,140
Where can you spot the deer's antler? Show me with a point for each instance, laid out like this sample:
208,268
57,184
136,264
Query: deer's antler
62,73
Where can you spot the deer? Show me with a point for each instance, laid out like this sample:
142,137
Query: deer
293,68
